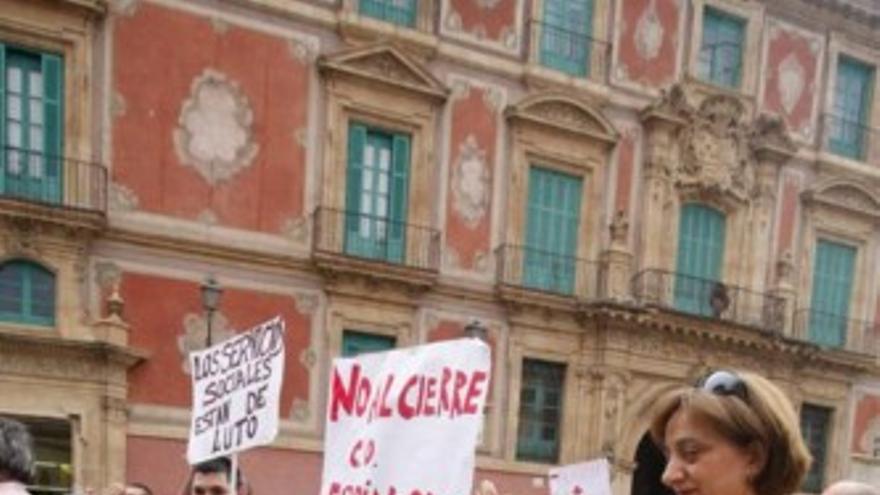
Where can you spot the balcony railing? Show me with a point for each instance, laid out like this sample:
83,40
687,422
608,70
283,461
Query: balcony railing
709,298
544,271
570,51
39,178
837,332
376,239
848,138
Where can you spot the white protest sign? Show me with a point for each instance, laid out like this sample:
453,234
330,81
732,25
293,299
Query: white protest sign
236,392
586,478
405,422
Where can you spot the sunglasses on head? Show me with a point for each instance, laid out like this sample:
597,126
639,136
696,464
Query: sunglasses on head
725,383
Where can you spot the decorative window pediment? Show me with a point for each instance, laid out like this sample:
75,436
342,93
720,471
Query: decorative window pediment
564,113
846,195
386,64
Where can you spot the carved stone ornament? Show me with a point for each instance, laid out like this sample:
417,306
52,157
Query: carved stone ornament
195,332
564,112
214,131
649,33
619,228
848,195
790,82
470,183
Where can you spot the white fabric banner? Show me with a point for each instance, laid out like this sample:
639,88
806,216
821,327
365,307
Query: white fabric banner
586,478
236,392
406,422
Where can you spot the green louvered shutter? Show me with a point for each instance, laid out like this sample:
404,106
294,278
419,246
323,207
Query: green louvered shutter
815,426
552,221
357,137
355,343
53,135
832,286
701,237
399,197
400,12
27,293
540,411
721,49
566,36
852,104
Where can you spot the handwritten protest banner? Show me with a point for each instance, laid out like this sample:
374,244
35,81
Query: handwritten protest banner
236,392
586,478
405,422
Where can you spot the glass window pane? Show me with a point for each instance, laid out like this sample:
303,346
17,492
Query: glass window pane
13,79
36,84
384,159
13,134
36,111
13,107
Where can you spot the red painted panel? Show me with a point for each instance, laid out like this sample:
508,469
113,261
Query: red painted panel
472,118
161,464
867,414
158,53
625,162
788,215
789,49
491,23
156,310
641,65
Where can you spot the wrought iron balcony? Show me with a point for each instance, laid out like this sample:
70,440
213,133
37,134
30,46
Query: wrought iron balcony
546,272
837,332
848,138
569,51
368,240
35,177
709,298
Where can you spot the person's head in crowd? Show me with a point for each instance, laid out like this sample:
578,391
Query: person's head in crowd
137,488
846,487
734,433
16,452
213,477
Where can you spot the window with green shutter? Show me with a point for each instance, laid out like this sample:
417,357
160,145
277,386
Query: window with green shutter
552,221
566,35
815,425
540,411
355,343
721,49
376,193
701,234
847,133
32,85
833,271
400,12
27,293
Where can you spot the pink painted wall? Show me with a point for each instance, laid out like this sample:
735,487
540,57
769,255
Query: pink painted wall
156,311
626,156
867,410
472,117
788,214
491,23
657,70
158,52
788,49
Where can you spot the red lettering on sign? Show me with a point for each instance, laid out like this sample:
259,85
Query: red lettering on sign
474,391
342,396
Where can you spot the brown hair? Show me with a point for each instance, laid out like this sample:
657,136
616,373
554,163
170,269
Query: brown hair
765,419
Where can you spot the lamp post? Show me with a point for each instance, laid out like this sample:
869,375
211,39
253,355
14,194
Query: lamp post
211,292
476,330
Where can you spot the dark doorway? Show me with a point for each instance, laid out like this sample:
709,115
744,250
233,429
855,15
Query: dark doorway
650,463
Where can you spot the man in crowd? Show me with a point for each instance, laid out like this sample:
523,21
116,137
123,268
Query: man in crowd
16,457
213,477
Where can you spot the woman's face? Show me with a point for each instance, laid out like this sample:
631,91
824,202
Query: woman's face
702,462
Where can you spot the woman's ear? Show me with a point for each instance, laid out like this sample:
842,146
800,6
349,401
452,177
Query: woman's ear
757,455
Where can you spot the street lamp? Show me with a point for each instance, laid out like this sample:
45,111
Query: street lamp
211,292
476,330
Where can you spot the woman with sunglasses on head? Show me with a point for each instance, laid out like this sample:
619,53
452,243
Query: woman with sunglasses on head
732,434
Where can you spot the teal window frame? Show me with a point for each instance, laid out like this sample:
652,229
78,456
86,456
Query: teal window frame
552,226
815,426
27,293
31,124
721,48
700,259
853,94
377,190
389,11
566,36
833,272
540,411
356,342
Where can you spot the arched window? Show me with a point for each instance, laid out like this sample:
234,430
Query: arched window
27,293
700,261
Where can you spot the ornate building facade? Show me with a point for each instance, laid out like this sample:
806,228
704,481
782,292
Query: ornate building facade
624,193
